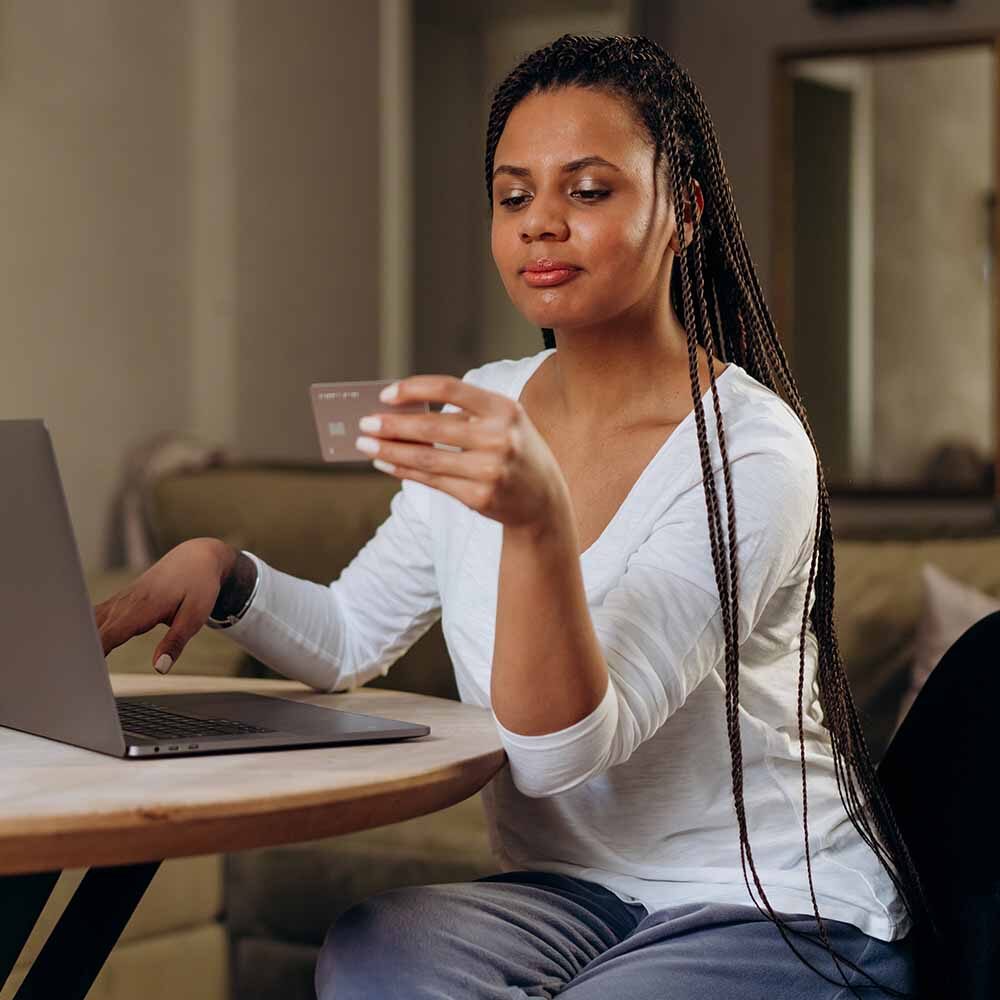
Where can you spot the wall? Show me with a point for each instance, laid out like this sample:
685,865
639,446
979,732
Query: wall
94,254
307,236
449,197
190,196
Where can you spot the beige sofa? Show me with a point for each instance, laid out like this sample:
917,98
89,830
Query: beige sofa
248,925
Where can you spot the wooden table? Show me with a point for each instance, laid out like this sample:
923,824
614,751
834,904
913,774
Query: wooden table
65,807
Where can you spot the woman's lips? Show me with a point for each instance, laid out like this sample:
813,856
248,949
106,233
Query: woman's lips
544,279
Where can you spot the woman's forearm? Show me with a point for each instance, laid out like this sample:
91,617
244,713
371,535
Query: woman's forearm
548,666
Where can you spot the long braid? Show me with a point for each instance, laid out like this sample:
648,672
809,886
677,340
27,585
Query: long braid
723,309
776,357
732,666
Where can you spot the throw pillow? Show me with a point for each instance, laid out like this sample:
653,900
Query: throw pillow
949,608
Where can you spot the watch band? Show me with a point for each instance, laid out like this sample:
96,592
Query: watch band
232,619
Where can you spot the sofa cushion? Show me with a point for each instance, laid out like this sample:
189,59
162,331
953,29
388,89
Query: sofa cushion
295,892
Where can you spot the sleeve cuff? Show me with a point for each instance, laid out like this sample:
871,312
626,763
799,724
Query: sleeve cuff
555,762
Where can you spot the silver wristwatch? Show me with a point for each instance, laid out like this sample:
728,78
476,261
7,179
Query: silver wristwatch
232,619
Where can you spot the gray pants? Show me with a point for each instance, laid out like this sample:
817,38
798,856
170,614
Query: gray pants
540,934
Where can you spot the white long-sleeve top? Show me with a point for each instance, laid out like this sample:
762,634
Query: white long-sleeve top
637,796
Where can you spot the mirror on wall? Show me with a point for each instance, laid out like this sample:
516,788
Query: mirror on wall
884,268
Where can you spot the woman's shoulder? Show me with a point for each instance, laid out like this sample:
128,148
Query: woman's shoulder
767,449
758,418
505,375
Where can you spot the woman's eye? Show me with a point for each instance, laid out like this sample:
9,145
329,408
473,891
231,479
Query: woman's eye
598,193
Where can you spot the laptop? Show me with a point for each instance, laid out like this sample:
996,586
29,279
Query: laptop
53,675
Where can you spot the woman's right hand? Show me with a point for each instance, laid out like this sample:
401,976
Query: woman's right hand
179,591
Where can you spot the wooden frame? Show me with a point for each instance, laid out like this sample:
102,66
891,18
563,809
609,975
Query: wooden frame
782,221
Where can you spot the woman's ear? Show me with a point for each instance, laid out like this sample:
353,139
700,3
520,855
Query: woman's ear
688,225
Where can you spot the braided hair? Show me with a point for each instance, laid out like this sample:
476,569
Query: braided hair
723,310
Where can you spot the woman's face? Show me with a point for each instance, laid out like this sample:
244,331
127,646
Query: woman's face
617,235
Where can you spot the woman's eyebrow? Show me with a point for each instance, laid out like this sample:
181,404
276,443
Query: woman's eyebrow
584,161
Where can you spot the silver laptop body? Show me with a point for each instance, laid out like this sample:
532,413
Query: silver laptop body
53,675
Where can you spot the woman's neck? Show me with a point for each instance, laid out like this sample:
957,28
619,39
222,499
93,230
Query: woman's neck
597,388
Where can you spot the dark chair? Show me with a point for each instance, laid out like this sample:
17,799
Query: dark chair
940,774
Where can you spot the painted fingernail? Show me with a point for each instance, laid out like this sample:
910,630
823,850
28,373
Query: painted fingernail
164,663
366,444
384,466
389,392
369,424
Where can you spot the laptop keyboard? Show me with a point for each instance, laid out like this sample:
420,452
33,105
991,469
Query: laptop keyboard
146,719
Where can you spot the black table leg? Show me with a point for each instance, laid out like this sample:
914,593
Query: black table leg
22,899
88,929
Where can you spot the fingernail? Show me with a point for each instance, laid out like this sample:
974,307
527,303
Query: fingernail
389,392
164,663
384,466
369,424
366,444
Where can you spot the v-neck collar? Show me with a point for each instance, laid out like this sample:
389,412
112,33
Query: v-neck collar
534,362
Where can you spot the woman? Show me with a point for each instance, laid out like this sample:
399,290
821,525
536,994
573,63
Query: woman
614,676
662,676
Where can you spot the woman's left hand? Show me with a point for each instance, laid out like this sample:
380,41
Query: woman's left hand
504,469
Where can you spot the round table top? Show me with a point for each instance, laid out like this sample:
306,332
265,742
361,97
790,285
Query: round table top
64,807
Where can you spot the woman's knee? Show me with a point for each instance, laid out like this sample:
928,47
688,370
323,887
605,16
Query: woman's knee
364,942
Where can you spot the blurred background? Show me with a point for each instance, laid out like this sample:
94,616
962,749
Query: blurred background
209,204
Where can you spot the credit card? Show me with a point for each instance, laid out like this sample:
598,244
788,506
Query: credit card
337,408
